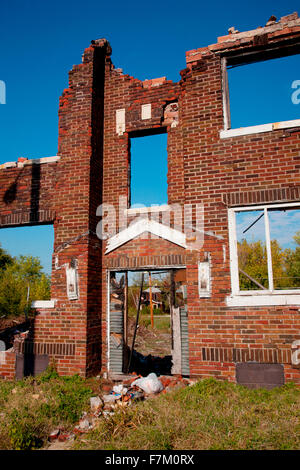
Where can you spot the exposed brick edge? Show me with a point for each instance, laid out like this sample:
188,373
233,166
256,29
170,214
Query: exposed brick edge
269,355
27,217
7,369
259,197
287,27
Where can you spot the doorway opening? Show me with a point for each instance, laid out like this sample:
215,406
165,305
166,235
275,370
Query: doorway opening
148,322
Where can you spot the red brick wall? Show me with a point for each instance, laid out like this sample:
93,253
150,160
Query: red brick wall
202,169
7,365
27,194
80,192
220,173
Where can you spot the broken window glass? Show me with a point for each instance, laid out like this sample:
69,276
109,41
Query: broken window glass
251,246
268,248
285,247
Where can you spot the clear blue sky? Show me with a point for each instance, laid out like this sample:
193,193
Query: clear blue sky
283,226
40,42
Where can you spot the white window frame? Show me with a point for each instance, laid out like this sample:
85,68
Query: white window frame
228,132
269,296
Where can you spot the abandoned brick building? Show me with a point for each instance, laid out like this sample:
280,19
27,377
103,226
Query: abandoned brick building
244,335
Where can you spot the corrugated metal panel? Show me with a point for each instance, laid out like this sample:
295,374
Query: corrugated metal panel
185,363
116,325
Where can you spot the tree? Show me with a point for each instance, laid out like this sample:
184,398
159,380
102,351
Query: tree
21,281
253,261
293,263
5,260
297,237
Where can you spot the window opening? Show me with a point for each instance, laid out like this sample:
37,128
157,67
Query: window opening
148,168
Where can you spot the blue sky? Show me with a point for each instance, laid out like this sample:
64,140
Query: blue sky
40,42
149,160
283,226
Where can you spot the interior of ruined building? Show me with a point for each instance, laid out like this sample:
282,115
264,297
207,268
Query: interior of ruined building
222,184
136,300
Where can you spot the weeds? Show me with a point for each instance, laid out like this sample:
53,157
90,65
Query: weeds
209,415
50,401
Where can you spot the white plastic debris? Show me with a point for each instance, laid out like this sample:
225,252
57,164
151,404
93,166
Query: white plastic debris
120,389
150,384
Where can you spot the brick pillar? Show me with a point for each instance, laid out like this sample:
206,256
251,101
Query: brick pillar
79,192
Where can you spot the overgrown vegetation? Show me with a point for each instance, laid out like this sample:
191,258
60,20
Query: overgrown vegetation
22,280
51,401
208,415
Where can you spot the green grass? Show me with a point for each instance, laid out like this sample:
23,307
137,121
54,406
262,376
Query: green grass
31,408
161,323
208,415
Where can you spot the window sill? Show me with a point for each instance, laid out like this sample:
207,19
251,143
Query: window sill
263,300
147,210
43,304
225,134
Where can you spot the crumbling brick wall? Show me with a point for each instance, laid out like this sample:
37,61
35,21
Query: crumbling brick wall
237,171
219,173
203,168
27,191
7,365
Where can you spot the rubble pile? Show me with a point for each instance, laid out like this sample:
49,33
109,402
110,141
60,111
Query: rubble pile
12,336
119,396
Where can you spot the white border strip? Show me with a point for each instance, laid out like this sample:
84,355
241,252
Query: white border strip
43,304
146,210
224,134
145,225
262,300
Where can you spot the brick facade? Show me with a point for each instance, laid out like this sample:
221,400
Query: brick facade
203,168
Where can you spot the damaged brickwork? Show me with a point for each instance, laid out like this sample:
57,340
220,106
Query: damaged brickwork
208,163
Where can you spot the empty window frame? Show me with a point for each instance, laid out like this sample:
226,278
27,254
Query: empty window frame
148,170
260,91
265,249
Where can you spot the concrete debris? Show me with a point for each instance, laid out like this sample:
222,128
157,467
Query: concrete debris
96,402
84,425
111,398
121,395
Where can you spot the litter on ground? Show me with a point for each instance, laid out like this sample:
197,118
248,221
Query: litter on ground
116,397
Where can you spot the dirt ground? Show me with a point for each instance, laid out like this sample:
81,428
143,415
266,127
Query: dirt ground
150,341
11,322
